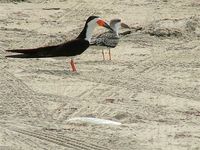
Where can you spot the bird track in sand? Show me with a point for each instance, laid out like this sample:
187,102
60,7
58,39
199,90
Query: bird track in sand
18,99
59,139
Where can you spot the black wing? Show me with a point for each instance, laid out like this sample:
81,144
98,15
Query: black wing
70,48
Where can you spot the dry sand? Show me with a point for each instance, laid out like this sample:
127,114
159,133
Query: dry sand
152,85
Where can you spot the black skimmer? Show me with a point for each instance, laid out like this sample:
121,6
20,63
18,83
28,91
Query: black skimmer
70,49
110,39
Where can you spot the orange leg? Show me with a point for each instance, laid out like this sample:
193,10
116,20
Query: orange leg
73,65
103,55
109,55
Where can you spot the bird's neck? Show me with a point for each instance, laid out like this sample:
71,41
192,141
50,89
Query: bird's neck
115,29
116,32
86,33
89,31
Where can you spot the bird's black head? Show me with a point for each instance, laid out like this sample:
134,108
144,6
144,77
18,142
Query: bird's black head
97,21
91,18
91,23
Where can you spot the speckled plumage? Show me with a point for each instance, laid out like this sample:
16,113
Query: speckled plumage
109,39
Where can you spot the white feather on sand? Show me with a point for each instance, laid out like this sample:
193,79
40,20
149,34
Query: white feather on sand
94,121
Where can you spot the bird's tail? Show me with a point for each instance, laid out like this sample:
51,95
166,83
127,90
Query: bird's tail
24,51
125,33
31,53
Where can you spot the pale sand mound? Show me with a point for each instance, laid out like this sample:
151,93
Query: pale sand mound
175,27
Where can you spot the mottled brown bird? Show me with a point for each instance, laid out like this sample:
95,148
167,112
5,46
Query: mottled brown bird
110,39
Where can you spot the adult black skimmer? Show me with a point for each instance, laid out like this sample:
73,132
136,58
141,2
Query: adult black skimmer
110,39
69,49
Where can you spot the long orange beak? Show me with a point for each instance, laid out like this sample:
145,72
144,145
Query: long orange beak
102,23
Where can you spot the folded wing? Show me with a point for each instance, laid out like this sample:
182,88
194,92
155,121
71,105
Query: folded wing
70,48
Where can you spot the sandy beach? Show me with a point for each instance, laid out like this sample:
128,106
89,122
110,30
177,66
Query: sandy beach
149,92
